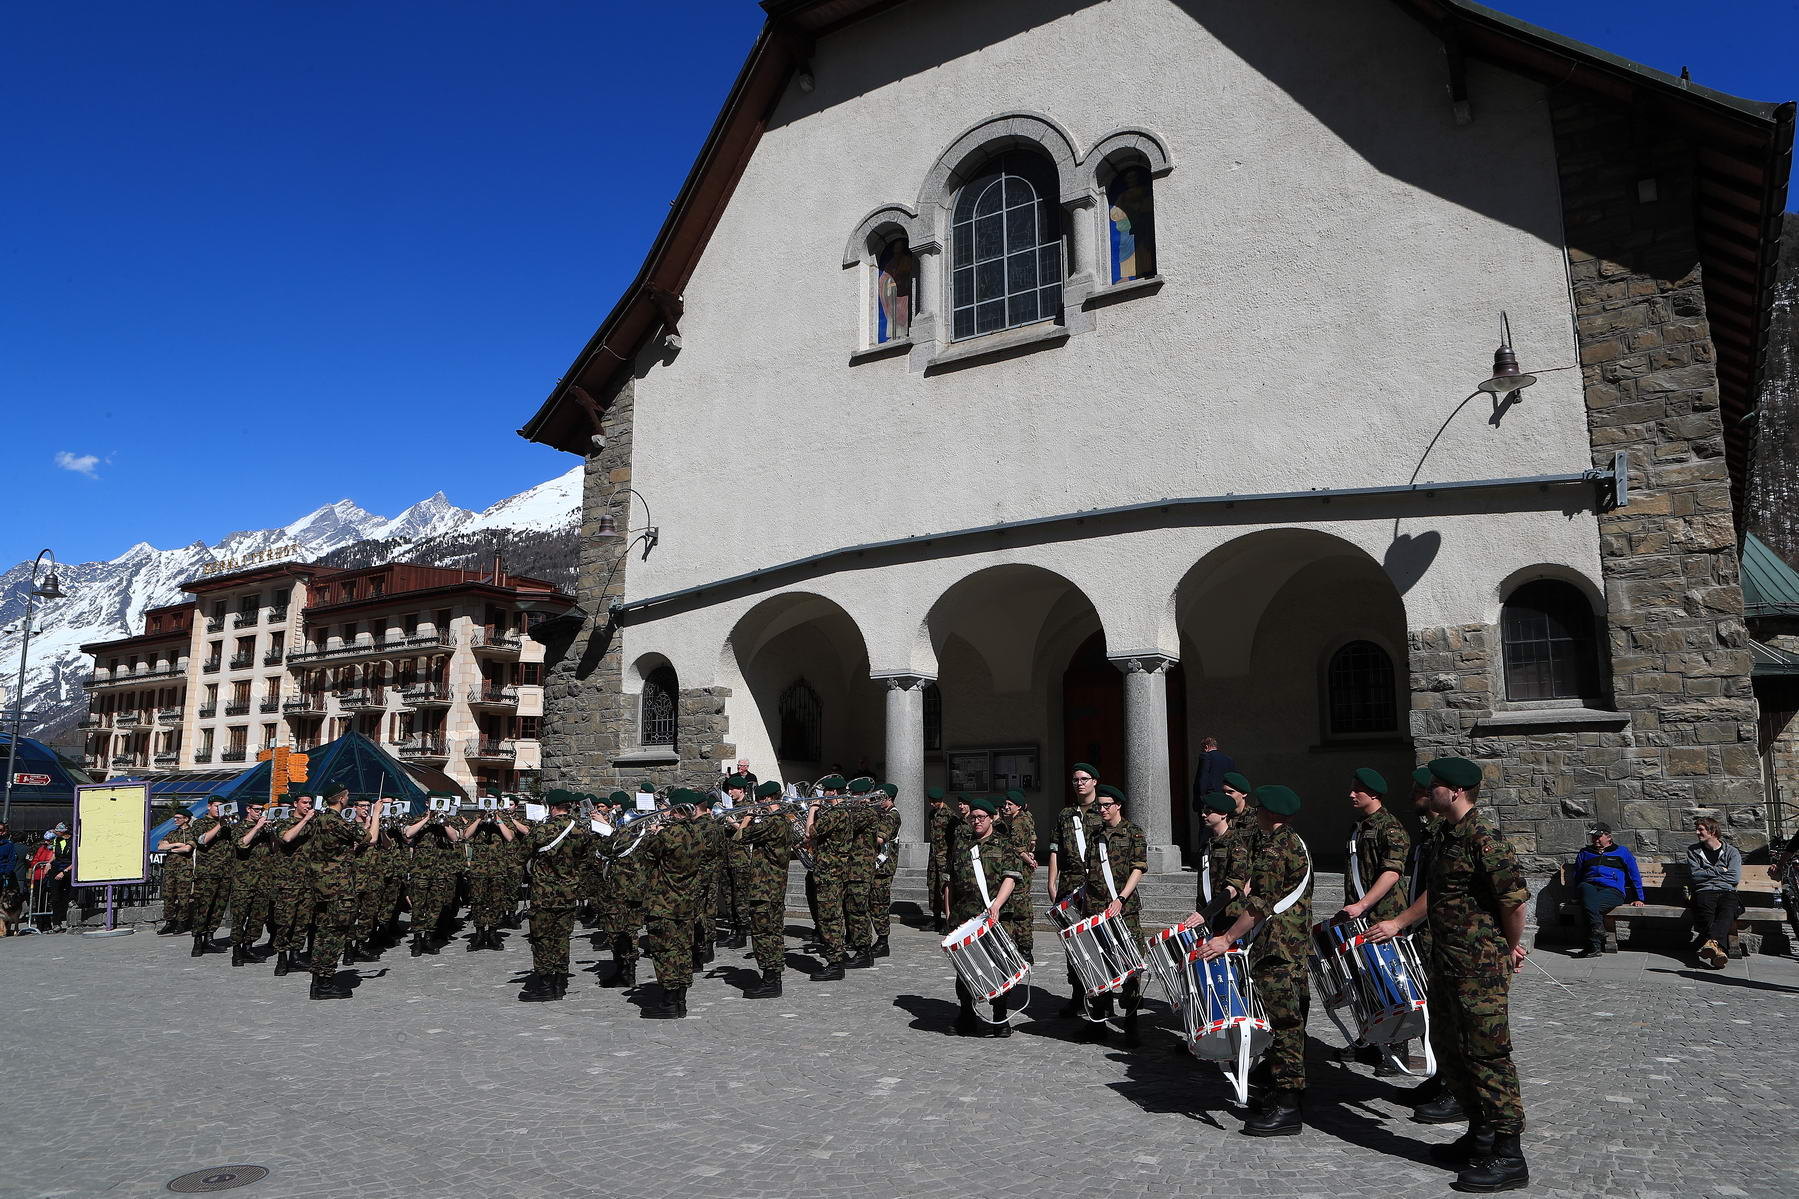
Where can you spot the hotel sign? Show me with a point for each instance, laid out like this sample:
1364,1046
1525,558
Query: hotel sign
274,554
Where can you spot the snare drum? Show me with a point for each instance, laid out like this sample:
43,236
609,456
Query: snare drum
1102,953
1229,1010
1385,983
985,957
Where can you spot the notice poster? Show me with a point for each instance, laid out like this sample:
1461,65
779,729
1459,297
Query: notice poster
1016,768
112,834
967,769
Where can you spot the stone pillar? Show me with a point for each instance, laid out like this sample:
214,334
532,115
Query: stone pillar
905,764
1146,752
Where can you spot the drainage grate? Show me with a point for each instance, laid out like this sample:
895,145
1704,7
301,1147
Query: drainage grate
218,1178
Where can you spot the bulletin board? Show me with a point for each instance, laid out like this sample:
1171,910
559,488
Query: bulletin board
112,834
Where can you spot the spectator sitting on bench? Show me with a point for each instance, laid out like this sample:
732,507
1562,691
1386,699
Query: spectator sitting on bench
1605,874
1714,871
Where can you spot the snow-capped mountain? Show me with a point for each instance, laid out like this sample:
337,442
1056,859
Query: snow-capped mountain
534,530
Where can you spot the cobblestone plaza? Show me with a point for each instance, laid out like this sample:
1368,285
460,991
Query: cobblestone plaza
1648,1079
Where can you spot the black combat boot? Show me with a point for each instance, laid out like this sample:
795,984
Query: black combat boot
862,959
169,928
768,988
302,959
966,1024
200,946
352,953
1001,1027
672,1007
552,989
239,956
706,954
1502,1169
1444,1109
1076,1004
260,953
1279,1117
418,944
1465,1150
533,985
880,949
327,988
833,972
624,972
283,962
1131,1039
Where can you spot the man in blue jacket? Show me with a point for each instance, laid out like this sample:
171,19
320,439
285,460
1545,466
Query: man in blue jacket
1606,874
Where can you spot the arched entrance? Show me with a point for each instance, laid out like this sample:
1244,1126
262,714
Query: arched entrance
1093,727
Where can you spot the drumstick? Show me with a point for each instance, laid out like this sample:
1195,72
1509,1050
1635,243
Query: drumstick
1552,978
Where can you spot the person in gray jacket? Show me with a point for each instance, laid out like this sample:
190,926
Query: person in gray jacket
1714,869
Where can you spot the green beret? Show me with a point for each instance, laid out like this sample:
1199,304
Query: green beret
1457,772
1370,781
892,790
1218,801
646,785
933,793
1109,789
862,786
618,797
737,782
297,792
1282,801
330,789
1421,776
831,782
1238,782
1085,766
981,804
182,812
768,789
557,795
1016,796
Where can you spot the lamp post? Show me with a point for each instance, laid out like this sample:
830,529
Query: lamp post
49,590
649,535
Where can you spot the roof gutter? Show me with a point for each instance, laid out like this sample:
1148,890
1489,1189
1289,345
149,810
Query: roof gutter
1613,492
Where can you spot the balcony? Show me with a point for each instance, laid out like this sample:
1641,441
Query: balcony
425,695
274,657
124,760
215,625
362,700
201,756
168,759
237,709
277,615
306,745
207,713
92,722
234,755
168,716
502,751
241,661
211,665
130,720
491,696
305,705
245,619
123,678
424,747
269,705
498,642
416,643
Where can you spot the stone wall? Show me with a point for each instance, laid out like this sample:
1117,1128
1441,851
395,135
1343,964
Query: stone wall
1683,737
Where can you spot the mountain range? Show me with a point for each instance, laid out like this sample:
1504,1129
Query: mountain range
535,532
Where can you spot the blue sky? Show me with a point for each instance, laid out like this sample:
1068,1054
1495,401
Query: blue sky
262,256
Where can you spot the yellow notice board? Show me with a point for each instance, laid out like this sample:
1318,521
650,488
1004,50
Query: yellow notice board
112,833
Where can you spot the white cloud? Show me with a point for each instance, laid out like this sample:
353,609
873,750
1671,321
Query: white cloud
81,464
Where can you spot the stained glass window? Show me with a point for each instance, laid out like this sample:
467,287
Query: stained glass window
1359,683
1006,248
660,690
895,271
1551,649
1131,215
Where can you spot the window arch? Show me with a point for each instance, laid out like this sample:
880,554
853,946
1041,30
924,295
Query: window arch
660,702
1131,221
1360,692
896,290
1551,647
801,724
1006,248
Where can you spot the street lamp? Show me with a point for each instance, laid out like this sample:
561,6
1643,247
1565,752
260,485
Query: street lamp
649,535
49,589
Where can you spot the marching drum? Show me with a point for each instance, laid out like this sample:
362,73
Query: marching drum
985,957
1220,1011
1102,953
1382,986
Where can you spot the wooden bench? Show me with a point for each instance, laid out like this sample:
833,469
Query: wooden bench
1665,898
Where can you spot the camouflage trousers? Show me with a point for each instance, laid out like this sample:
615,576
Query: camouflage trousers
671,949
551,931
621,918
432,895
250,902
705,923
177,890
842,917
212,889
336,917
734,896
368,906
880,904
486,897
1286,995
387,908
768,932
1471,1033
933,885
290,913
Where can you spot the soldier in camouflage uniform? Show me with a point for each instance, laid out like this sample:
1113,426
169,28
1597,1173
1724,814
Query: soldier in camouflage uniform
391,861
1020,827
1474,895
487,837
366,882
1379,848
676,859
212,873
832,829
1075,826
858,891
251,884
883,836
431,882
983,871
1280,873
766,840
177,874
712,881
290,885
624,909
1117,860
1224,858
936,822
558,848
334,843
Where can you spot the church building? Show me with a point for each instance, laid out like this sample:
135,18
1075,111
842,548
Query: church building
1022,382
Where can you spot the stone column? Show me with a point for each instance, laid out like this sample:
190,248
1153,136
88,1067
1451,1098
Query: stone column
905,764
1146,752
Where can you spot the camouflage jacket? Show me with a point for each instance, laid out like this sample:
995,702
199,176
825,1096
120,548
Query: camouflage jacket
486,849
957,833
1023,832
434,856
1381,844
881,843
1126,850
287,860
999,860
676,864
1070,850
556,874
937,822
252,866
1277,868
767,845
1474,877
332,850
834,835
1226,857
214,855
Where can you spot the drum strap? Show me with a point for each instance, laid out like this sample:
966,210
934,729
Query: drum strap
1290,898
1105,868
1080,834
980,875
1415,868
1354,873
1205,876
559,836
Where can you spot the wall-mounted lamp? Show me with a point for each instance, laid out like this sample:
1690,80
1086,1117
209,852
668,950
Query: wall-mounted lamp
1507,378
607,529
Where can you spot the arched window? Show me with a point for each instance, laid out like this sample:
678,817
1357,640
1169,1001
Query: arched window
1551,646
801,723
1359,686
661,690
1131,222
1006,248
895,291
933,717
